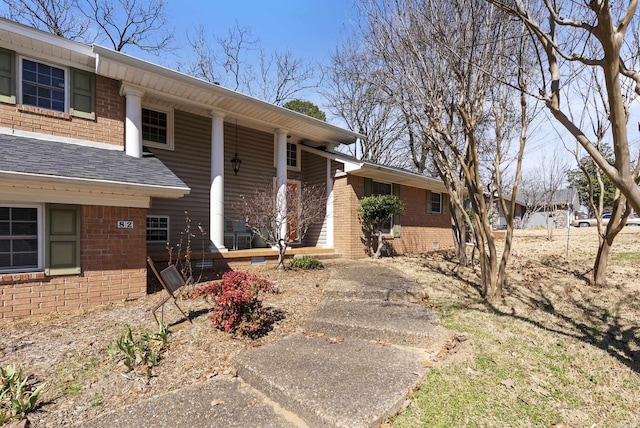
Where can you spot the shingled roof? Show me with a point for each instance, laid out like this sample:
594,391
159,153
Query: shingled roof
54,160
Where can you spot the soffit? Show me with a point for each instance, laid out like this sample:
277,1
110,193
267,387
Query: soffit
392,175
195,95
31,42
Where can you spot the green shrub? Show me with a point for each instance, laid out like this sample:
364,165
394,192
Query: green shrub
237,302
306,263
144,352
17,394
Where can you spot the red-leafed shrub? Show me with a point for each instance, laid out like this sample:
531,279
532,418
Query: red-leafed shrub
237,302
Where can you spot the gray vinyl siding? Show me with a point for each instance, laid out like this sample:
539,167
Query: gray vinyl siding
314,173
255,149
190,161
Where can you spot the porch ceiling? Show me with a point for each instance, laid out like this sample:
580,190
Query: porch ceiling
178,88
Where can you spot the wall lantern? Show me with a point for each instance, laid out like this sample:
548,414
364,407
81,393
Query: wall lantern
235,160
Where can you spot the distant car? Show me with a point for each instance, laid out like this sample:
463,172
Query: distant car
632,220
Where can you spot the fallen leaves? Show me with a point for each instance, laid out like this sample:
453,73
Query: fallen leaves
451,346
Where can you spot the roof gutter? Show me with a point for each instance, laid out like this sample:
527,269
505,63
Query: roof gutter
96,185
103,53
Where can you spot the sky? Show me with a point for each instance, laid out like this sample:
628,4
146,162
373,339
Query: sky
309,28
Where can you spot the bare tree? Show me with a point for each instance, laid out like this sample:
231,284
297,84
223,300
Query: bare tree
205,65
531,195
592,34
58,17
238,61
595,117
283,220
361,98
450,57
283,76
123,23
553,174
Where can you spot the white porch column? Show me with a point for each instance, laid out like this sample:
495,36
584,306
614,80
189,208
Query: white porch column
281,177
329,214
216,191
133,121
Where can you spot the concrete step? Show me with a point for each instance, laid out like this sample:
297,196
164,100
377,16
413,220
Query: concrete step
400,323
333,383
365,280
222,401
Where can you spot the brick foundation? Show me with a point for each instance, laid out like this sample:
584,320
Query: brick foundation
419,231
113,269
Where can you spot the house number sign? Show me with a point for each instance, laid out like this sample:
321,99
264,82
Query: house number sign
125,224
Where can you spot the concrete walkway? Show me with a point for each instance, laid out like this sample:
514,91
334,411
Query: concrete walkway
362,351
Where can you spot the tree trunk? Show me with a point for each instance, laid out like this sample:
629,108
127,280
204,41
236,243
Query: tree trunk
616,223
549,225
459,230
492,281
600,265
282,248
380,243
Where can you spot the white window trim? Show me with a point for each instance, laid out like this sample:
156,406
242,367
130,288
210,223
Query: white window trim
431,203
67,82
40,220
298,156
168,229
170,127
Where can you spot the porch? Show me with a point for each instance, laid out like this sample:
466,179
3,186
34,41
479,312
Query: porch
237,259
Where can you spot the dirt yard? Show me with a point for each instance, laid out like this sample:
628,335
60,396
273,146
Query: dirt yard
69,351
547,291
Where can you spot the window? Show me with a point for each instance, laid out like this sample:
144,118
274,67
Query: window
436,202
47,86
292,156
157,128
43,85
378,188
20,238
32,236
158,229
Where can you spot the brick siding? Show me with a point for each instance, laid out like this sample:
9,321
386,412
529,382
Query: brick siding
420,232
346,225
113,269
108,126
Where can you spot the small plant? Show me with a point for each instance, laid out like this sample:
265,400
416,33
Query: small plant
183,256
306,263
374,211
144,352
17,394
237,302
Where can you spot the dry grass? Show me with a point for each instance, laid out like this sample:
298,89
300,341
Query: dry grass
554,349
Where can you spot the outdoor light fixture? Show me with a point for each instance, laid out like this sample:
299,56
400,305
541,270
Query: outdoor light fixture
235,160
